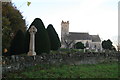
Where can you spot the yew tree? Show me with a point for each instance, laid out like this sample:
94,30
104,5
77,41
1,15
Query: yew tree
54,38
17,44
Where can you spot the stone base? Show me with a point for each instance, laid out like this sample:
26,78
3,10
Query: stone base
30,53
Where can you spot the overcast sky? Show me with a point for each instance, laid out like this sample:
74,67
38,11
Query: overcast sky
92,16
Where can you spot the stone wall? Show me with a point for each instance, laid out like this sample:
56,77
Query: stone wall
12,63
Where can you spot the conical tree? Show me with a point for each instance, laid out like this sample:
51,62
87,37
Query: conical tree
53,36
17,44
42,43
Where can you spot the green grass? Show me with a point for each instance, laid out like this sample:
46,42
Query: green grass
102,70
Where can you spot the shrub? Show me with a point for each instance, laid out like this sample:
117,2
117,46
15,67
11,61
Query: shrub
79,45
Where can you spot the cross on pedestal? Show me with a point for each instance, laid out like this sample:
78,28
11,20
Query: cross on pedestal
32,32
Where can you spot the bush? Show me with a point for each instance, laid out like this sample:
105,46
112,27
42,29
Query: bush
79,45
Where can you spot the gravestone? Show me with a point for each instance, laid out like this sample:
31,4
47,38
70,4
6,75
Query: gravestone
32,32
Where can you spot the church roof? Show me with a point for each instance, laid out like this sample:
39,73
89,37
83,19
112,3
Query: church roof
79,36
84,36
95,38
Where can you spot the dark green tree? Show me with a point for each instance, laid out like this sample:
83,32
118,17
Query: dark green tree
12,21
53,36
6,38
17,44
107,44
42,42
79,45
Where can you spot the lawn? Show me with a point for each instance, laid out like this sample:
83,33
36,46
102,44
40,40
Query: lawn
101,70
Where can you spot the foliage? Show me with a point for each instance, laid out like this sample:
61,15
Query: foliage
12,21
17,44
79,45
107,44
102,70
6,33
53,36
28,3
42,43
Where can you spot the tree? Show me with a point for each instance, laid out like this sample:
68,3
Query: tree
67,41
79,45
6,30
12,21
42,43
14,16
17,45
107,44
53,36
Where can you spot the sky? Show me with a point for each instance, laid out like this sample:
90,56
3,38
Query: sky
97,17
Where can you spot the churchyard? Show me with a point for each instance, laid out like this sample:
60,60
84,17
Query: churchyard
36,52
59,63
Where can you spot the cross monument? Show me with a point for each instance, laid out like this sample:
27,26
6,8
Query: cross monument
32,32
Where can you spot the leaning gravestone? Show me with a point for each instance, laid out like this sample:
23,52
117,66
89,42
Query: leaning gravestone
32,32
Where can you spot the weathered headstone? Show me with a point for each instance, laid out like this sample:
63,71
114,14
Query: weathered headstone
32,32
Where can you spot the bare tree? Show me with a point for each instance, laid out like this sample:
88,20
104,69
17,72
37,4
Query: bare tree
67,40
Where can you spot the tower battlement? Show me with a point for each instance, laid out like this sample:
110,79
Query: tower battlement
64,28
63,22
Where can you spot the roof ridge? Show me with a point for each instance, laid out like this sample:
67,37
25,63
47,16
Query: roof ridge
79,32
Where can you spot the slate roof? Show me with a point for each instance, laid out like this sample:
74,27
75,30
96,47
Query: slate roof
79,36
95,38
84,36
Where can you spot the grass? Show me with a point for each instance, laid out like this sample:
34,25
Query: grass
101,70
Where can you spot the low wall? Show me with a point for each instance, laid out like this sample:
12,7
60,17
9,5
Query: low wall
12,63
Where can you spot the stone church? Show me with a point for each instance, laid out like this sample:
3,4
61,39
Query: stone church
68,39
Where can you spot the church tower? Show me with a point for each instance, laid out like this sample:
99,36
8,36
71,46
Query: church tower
64,28
64,31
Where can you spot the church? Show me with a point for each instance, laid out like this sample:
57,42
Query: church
69,39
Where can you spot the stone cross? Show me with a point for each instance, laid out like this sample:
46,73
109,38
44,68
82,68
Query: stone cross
32,32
